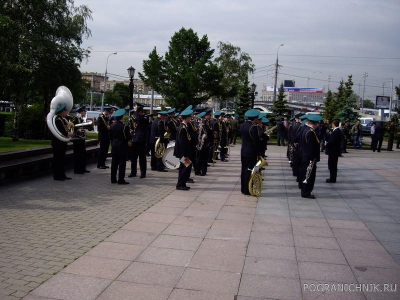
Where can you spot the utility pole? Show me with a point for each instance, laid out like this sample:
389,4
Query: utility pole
329,82
276,72
365,75
308,81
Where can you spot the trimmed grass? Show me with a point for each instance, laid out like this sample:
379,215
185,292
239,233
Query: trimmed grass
7,145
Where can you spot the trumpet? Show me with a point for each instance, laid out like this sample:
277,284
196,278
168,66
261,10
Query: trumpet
255,182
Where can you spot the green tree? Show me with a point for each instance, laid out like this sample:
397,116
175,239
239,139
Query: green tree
346,112
330,106
235,66
187,74
41,50
244,101
368,104
279,106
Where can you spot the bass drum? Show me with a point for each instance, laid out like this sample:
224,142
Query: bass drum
168,159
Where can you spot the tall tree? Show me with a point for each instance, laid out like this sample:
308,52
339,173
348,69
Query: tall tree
279,106
41,50
187,74
330,106
244,101
235,66
347,112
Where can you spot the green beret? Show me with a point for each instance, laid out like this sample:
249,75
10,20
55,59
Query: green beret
163,112
217,114
313,118
61,108
107,108
118,113
190,107
292,118
170,111
264,120
303,117
261,115
200,115
252,113
186,113
81,108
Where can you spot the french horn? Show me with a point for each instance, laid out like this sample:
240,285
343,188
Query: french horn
255,182
159,148
63,96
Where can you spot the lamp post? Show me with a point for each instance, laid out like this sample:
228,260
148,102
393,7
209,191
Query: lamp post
329,82
253,93
276,71
365,75
105,81
131,73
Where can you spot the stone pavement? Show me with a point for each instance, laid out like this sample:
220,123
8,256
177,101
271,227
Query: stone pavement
211,242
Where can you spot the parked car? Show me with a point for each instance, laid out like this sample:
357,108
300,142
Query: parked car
368,112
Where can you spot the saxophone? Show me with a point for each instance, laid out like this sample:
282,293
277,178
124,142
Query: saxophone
309,170
270,130
255,182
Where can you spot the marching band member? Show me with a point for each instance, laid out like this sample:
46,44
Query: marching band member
103,128
119,133
310,155
158,129
250,146
138,126
80,144
60,147
183,150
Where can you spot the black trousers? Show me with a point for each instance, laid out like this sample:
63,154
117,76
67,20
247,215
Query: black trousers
247,165
118,162
79,156
202,161
332,166
184,174
307,188
138,150
103,152
59,153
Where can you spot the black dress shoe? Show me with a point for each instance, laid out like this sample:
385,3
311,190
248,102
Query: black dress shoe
330,181
208,165
86,171
132,175
59,179
309,196
162,170
102,167
113,181
182,188
201,174
190,180
106,167
142,176
196,173
123,182
67,178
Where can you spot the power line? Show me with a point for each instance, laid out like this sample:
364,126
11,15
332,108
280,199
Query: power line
327,56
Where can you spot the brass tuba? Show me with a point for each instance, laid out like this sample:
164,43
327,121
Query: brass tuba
159,148
255,182
63,96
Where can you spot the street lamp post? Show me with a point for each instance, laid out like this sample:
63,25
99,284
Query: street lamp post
329,82
131,73
276,71
105,81
365,75
253,93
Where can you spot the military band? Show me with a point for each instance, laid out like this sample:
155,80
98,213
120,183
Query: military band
79,143
103,128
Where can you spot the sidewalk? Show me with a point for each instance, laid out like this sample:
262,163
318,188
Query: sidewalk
212,242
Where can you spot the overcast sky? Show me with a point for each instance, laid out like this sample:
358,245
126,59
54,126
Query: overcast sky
321,37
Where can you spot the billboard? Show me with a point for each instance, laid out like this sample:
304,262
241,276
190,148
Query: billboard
382,102
270,88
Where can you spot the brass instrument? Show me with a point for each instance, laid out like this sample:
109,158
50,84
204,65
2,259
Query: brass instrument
270,130
255,182
159,149
201,137
309,170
